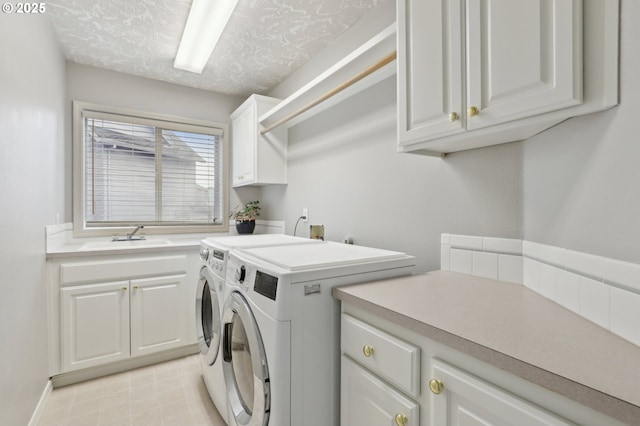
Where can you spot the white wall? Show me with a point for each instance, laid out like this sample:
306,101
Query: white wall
32,162
90,84
582,177
343,166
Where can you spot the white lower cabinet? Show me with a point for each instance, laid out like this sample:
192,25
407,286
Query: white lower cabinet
376,368
156,315
95,324
109,322
392,376
368,401
461,399
127,309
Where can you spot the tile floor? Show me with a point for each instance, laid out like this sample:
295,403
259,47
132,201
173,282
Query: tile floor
172,393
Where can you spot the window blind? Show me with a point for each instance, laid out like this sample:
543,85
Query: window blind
151,172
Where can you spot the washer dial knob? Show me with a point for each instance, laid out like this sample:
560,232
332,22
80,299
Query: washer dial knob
204,254
241,273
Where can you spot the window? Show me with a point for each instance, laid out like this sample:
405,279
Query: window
166,173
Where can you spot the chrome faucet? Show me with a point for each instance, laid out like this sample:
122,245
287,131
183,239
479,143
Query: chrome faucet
130,236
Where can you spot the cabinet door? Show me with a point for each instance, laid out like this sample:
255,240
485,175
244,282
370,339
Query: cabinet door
468,401
95,324
243,140
157,316
367,400
429,69
257,159
523,58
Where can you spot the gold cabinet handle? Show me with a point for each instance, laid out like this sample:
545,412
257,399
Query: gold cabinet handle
436,386
453,116
135,287
401,420
123,289
473,111
367,351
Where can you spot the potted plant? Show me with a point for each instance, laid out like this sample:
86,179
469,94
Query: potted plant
245,217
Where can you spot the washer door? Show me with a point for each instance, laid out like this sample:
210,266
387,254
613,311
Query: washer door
244,364
208,318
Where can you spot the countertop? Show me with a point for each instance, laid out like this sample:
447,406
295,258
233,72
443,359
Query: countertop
105,247
61,243
515,329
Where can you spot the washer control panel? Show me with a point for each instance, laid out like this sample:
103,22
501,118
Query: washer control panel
250,278
215,259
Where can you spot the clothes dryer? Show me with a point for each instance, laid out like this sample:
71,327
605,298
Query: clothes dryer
210,298
281,326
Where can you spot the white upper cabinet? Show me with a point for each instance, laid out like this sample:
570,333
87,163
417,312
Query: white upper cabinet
429,69
257,159
481,72
523,58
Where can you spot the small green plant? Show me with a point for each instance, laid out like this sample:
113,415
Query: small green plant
250,211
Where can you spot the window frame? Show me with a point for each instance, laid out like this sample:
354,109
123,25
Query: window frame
80,228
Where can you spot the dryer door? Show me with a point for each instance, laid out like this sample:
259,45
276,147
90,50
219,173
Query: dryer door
208,319
244,364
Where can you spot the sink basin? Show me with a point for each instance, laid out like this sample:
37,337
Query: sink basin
114,245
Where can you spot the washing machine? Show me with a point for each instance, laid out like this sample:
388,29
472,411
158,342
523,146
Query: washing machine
209,303
210,298
281,328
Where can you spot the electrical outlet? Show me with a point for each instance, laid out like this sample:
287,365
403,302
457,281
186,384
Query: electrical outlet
305,213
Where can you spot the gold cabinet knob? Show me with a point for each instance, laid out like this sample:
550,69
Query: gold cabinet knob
453,116
436,386
367,351
135,287
473,111
123,289
401,420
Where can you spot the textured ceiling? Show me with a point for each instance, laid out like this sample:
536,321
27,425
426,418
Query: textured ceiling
264,42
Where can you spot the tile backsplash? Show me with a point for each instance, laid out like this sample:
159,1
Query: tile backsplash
496,258
603,290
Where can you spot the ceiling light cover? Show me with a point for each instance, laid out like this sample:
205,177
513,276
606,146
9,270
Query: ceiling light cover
207,19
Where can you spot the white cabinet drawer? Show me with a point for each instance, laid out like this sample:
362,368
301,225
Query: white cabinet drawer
367,401
396,361
79,273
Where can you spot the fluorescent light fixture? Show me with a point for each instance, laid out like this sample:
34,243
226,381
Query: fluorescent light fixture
207,19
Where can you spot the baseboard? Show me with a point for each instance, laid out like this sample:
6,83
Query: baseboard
72,377
35,418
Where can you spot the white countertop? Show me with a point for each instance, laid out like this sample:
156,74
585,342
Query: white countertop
61,243
515,329
106,247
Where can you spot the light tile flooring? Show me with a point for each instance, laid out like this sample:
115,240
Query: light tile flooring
172,393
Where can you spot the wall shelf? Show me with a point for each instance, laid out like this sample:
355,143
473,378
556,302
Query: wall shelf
376,55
